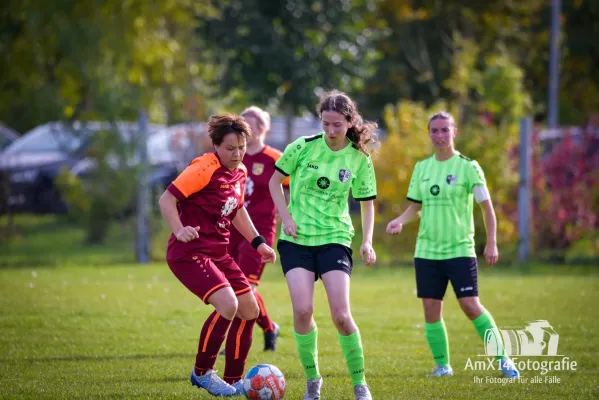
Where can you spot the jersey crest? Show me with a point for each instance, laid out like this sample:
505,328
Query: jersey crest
257,169
344,175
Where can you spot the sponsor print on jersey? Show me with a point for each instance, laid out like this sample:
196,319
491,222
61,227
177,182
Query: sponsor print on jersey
229,206
323,182
249,187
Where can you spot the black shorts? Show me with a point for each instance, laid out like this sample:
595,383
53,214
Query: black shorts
432,277
317,259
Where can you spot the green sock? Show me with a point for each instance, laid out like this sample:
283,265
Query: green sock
436,335
485,322
351,347
308,352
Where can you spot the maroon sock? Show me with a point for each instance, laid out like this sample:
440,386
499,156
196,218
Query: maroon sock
263,320
239,340
212,337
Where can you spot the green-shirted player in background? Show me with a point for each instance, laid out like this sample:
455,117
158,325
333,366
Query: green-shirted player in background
317,229
442,189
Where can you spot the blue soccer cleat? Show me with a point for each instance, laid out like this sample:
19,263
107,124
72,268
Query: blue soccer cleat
212,383
508,369
239,388
442,370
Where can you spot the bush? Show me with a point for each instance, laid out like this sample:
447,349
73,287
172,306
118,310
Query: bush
565,183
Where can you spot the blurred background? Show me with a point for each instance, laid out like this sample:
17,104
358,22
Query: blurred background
103,103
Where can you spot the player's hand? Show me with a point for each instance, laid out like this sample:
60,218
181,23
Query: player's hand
394,227
491,254
290,228
187,234
267,253
367,254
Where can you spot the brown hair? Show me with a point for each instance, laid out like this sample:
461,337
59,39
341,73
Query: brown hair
221,125
261,116
441,115
361,133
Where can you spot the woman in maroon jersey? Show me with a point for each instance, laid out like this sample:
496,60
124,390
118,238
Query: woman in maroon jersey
200,206
260,161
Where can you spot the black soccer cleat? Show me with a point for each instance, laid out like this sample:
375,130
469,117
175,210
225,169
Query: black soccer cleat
270,338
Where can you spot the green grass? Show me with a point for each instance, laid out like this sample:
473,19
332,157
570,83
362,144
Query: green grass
123,331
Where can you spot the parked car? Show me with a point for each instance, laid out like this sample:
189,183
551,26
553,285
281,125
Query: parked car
7,136
31,164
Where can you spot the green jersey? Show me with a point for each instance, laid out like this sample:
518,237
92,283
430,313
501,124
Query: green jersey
319,189
445,190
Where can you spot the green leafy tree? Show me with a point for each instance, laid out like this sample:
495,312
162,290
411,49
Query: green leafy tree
282,52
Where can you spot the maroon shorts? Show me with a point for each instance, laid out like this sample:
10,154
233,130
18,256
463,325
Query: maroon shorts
203,276
248,259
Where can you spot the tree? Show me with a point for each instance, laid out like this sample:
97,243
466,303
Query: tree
283,52
99,59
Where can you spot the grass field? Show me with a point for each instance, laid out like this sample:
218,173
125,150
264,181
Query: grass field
131,332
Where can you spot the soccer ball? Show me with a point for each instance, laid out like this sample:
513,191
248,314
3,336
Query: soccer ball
264,382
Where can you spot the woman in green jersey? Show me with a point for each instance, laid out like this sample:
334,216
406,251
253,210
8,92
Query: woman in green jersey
317,232
441,191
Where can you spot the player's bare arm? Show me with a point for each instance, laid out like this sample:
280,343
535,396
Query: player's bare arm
411,214
367,253
491,252
276,191
245,226
168,207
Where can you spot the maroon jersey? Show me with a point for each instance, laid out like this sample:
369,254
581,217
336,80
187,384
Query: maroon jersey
209,196
258,202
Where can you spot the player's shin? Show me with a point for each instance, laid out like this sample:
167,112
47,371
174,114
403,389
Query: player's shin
239,341
351,346
484,323
307,347
263,320
436,336
212,336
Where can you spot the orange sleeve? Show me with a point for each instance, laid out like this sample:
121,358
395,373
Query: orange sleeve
196,176
275,155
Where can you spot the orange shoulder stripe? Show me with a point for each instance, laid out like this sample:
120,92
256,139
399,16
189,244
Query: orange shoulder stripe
272,152
275,155
197,175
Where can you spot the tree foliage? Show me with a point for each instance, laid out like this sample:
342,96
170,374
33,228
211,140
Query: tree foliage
99,59
282,52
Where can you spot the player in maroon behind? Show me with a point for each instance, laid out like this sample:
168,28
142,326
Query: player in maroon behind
200,206
260,161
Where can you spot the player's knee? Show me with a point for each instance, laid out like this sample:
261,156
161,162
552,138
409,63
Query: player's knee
432,310
228,308
471,307
251,311
303,313
342,320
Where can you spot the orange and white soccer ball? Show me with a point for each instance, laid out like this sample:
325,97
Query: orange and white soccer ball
264,382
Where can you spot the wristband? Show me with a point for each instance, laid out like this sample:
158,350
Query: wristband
257,241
